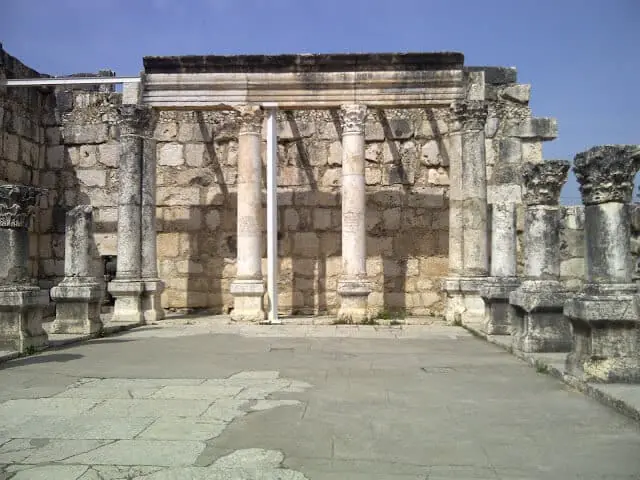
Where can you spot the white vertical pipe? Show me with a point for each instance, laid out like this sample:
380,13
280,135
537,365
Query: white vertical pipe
272,212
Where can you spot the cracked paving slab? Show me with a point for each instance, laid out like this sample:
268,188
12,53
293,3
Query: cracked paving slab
113,428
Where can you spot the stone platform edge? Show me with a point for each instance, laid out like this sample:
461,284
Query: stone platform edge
596,391
62,340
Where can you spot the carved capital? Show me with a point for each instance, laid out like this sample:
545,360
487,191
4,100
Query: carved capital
543,181
353,118
606,172
469,114
137,120
250,118
17,204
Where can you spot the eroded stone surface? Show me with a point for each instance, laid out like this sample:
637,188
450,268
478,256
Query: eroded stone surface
119,428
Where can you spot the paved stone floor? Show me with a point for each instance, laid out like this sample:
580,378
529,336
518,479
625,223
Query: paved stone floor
183,400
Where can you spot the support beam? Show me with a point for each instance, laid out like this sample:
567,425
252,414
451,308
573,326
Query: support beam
272,212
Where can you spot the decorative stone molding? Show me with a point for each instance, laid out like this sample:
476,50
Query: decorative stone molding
469,114
606,173
353,118
543,181
137,120
250,118
17,204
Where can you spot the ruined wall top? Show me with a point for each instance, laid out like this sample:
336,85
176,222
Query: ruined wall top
301,63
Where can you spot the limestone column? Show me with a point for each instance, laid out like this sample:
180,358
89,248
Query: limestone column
21,302
79,296
353,287
151,305
605,313
248,288
536,306
503,279
468,239
127,287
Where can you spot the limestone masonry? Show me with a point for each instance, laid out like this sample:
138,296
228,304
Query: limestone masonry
400,191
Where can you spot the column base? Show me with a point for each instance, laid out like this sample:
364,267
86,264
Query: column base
152,310
21,318
354,295
495,294
606,334
77,307
128,305
464,304
538,324
248,301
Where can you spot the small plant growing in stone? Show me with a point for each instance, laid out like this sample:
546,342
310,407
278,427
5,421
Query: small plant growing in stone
541,368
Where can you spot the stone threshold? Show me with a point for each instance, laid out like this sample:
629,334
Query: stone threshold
622,397
58,340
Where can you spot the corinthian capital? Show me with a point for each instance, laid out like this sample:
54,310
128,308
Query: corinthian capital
543,181
606,172
471,114
17,204
353,118
136,119
250,118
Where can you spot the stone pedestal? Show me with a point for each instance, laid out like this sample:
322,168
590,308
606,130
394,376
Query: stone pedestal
605,314
538,324
468,233
495,292
79,295
248,288
353,286
128,305
21,303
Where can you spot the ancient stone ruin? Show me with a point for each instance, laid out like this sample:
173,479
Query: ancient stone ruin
407,184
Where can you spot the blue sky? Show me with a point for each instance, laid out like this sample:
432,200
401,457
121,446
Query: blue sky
581,56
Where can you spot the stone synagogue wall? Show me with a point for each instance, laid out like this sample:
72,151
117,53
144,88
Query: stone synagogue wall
72,149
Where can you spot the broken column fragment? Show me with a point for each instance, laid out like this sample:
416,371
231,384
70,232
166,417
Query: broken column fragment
21,301
79,295
503,279
536,306
604,314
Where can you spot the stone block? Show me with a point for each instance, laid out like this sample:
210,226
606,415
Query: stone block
504,193
190,267
87,156
92,178
168,245
332,178
166,131
109,154
540,128
431,153
399,129
291,219
11,147
491,127
21,318
306,244
373,176
510,150
392,218
55,157
335,154
53,135
170,154
181,218
195,154
79,134
372,152
373,131
322,219
295,129
438,176
432,128
519,93
572,268
174,196
212,219
497,75
434,266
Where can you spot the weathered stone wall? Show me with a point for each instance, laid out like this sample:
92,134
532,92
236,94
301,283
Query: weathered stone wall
407,177
24,116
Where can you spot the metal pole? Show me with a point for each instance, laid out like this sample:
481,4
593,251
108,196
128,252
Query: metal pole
272,211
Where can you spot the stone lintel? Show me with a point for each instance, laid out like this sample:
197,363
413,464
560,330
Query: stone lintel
304,63
543,128
496,75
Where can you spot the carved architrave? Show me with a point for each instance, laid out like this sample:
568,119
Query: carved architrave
470,114
17,204
137,120
543,181
606,173
251,116
353,118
